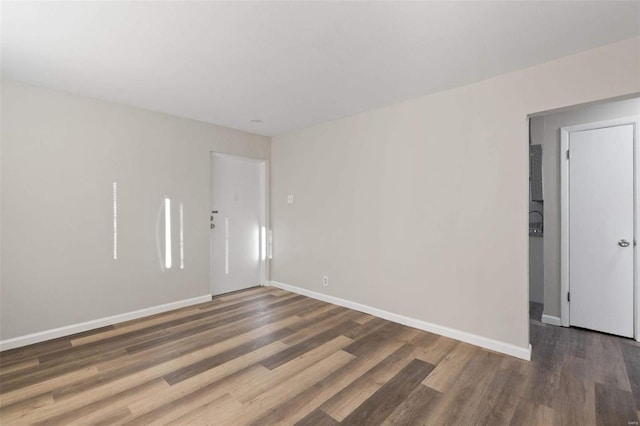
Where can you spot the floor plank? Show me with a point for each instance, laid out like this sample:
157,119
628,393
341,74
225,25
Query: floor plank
348,399
318,418
614,406
632,363
416,407
386,399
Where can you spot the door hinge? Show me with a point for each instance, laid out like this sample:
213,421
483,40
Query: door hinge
567,154
568,297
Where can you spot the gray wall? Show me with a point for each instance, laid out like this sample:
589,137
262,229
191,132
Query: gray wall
549,136
420,208
536,244
60,155
536,267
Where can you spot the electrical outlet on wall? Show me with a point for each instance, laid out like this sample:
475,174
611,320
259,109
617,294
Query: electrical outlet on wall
325,280
290,199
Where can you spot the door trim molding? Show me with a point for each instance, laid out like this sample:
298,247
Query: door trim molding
565,133
264,213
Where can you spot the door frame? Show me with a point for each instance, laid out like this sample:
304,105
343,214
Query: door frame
565,133
265,230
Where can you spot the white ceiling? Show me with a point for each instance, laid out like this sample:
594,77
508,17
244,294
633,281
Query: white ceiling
290,64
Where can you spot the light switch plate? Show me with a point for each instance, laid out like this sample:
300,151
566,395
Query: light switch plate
289,199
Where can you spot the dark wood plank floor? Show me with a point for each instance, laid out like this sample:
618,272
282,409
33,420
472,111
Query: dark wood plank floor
265,356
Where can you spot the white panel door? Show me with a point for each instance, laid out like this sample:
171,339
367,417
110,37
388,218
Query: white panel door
236,210
601,229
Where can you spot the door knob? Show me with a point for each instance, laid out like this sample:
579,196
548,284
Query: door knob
623,243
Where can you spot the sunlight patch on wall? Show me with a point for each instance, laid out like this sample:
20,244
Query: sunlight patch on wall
181,236
115,221
263,243
167,233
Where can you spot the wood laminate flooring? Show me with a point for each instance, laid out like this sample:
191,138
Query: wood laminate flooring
266,356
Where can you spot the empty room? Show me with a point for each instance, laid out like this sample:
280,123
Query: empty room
319,212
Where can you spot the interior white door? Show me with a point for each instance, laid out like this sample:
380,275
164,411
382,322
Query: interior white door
236,212
601,229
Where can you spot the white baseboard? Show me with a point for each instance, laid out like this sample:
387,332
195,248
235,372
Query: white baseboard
551,320
54,333
484,342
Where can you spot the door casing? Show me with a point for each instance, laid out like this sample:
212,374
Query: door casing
565,133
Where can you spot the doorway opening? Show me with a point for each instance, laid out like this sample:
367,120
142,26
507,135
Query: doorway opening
238,223
577,202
